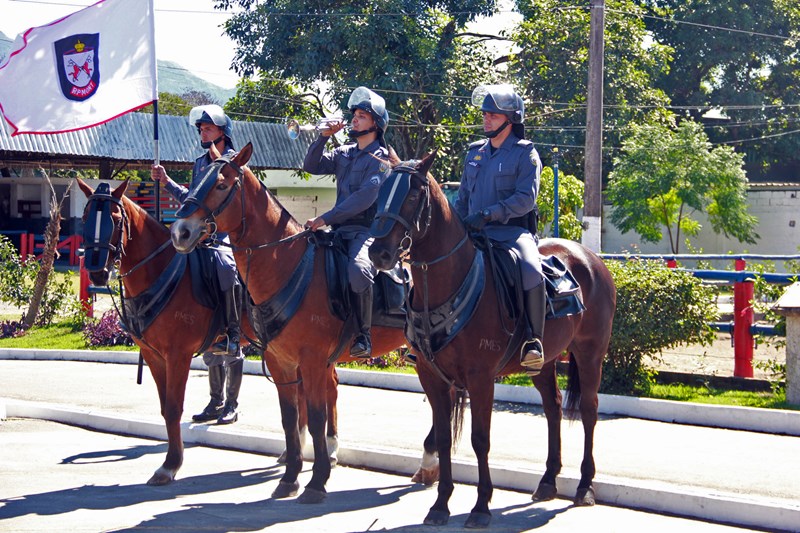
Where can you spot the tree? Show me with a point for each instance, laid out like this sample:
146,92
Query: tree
741,56
570,200
666,174
413,53
271,99
551,68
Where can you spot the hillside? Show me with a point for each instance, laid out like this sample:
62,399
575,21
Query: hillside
172,78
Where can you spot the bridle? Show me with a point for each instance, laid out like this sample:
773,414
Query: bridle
198,194
99,251
393,198
390,206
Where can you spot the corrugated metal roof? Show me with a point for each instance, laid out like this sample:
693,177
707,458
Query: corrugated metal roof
130,138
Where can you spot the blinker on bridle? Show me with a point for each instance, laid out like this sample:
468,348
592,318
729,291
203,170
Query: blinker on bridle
197,196
96,235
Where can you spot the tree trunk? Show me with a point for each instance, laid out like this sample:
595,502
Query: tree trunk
48,255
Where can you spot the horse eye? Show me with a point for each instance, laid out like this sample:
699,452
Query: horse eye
221,187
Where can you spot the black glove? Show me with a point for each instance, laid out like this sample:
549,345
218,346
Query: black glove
475,222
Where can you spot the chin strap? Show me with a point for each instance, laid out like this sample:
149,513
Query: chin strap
495,133
356,134
207,144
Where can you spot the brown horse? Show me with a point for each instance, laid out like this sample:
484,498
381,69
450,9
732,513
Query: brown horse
127,238
415,222
269,247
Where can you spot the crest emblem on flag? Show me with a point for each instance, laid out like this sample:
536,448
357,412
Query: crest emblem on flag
77,65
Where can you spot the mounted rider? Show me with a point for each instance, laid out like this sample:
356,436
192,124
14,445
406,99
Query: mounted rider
214,127
357,167
498,193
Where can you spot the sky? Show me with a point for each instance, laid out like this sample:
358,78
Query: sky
188,32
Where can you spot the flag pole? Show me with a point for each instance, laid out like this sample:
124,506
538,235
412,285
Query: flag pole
157,159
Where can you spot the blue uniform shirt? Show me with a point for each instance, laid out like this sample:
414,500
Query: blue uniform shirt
506,182
358,176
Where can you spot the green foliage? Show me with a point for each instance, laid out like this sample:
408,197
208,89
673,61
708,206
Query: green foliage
416,54
666,174
753,75
570,200
657,308
273,100
552,64
17,279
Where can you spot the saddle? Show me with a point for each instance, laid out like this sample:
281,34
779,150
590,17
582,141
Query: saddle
562,289
388,297
140,311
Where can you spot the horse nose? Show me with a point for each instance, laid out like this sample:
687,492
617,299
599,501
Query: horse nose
380,257
181,236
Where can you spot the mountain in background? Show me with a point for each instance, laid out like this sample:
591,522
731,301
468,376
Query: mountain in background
172,78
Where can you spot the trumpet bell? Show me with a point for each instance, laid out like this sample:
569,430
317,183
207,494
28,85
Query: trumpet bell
293,129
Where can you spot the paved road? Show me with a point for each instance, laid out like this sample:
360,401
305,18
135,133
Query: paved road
60,478
688,460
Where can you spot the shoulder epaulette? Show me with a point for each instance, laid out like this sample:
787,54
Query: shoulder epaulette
524,142
476,144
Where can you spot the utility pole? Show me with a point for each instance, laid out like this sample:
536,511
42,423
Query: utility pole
593,166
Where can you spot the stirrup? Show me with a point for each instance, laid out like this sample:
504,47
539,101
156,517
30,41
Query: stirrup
532,357
229,346
361,347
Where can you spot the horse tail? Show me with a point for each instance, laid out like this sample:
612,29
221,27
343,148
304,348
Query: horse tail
573,397
459,399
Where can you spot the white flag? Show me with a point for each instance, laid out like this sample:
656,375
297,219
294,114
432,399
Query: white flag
81,70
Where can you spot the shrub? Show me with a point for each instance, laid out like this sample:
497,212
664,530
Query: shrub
17,278
11,328
657,308
107,331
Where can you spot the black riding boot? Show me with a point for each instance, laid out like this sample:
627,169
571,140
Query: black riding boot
362,307
229,414
230,345
532,353
216,383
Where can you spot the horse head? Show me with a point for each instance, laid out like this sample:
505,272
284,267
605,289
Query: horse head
404,211
104,223
205,210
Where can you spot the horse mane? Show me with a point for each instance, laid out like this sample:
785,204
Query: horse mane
271,198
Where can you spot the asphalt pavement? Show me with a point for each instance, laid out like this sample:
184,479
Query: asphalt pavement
711,474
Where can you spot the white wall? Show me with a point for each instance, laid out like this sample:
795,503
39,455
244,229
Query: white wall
777,208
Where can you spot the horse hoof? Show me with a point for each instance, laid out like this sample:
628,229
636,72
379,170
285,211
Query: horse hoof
282,458
162,476
585,497
436,518
545,492
478,520
312,496
334,460
426,476
286,490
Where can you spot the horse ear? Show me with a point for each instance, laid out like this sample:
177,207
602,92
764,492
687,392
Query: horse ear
426,163
244,155
85,188
213,152
120,190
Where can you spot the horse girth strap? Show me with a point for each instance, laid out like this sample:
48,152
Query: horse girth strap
433,329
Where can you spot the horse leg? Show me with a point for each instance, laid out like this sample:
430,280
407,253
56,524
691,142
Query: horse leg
428,471
287,397
316,381
589,375
481,398
332,435
551,403
171,386
302,420
441,403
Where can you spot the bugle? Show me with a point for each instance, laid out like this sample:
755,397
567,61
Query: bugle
293,127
